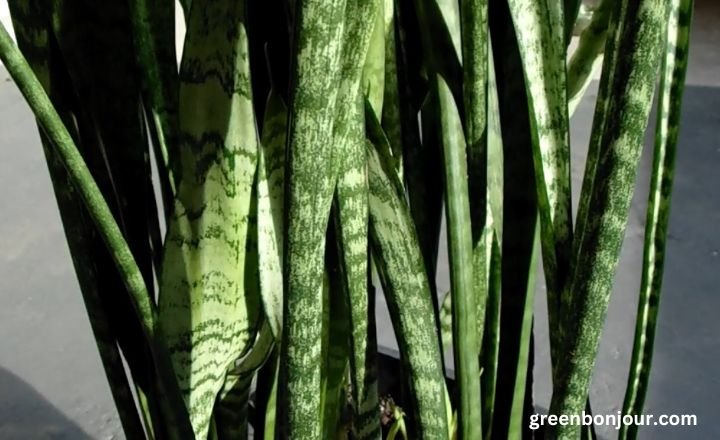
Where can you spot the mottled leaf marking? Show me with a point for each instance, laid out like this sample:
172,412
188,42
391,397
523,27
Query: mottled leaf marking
539,30
588,54
364,20
641,27
310,177
402,273
391,105
672,81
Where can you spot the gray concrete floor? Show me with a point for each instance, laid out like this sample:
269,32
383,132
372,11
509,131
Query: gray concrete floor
51,381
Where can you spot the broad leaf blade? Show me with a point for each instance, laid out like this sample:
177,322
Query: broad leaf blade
209,304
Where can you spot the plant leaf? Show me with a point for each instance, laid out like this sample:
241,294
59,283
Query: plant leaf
153,31
392,105
336,342
523,367
373,74
637,39
364,30
91,43
310,175
466,345
518,214
420,143
672,82
538,28
271,198
404,280
209,301
31,21
489,354
587,54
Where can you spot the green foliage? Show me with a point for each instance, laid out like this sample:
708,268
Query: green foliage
299,144
672,82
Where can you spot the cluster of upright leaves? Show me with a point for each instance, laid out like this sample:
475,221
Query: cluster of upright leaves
299,144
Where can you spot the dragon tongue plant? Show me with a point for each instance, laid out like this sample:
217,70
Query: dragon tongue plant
303,143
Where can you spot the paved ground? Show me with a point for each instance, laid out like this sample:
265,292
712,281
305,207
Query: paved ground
51,381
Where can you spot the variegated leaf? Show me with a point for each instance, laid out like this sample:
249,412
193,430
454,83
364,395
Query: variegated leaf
539,31
310,175
672,81
407,291
635,54
271,198
209,304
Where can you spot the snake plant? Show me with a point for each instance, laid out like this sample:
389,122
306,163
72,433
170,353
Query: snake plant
306,153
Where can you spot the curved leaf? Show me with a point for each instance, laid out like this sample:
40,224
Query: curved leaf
271,198
404,280
538,27
103,219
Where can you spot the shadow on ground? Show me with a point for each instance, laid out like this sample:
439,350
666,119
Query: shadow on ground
26,415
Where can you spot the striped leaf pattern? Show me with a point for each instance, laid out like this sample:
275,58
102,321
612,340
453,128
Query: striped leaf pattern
208,305
270,201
